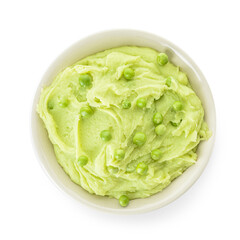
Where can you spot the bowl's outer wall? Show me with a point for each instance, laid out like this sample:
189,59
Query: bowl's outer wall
99,42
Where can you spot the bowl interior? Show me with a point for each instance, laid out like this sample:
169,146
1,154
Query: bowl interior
100,42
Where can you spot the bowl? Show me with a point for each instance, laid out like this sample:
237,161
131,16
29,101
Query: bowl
99,42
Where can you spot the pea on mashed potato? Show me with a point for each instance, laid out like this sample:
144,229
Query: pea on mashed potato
124,122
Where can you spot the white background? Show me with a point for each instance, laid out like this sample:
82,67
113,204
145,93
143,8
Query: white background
33,33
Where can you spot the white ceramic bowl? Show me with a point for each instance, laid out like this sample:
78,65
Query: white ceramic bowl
99,42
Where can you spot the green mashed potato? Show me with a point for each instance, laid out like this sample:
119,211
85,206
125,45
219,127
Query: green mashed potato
124,123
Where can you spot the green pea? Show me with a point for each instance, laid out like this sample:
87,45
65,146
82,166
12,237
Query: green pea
126,104
160,129
157,118
177,106
142,102
119,154
168,81
139,138
106,135
86,112
142,168
82,161
63,101
113,170
128,73
156,154
85,80
123,200
162,59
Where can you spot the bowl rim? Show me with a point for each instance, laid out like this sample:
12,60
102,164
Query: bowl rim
58,183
